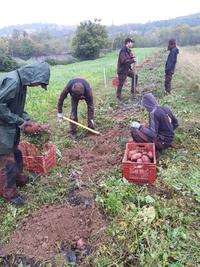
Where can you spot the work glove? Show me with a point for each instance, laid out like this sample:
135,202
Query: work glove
91,124
135,124
60,116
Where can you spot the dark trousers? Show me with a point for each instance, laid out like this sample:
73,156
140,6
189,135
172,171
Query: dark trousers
122,78
11,174
140,137
74,116
168,80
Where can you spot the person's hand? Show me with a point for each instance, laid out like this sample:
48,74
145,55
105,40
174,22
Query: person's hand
25,124
60,116
135,124
132,55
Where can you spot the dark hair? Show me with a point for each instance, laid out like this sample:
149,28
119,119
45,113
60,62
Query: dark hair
128,40
77,89
172,41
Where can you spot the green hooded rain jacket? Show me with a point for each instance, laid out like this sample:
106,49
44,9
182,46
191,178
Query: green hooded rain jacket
13,87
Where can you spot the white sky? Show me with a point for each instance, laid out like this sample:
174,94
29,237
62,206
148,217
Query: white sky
72,12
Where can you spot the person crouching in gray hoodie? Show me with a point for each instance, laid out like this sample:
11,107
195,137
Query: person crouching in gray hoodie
162,124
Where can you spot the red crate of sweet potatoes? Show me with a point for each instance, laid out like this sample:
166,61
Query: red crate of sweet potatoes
139,163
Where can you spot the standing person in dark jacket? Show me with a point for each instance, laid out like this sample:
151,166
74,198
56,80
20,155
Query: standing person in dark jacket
170,64
162,124
13,118
124,69
79,89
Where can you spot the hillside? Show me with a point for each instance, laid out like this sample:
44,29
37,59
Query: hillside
59,31
190,20
56,31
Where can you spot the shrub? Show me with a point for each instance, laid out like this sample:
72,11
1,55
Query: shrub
7,63
54,62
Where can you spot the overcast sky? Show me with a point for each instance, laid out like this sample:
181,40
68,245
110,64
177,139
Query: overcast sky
72,12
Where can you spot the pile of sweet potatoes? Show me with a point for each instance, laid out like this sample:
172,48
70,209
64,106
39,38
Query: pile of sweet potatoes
140,156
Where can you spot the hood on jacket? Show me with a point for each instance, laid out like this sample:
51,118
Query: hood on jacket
149,101
176,49
35,73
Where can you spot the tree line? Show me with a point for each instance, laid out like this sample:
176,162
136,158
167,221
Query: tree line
87,41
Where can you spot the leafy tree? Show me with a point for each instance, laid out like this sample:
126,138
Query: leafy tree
119,40
89,39
6,62
15,34
23,47
4,45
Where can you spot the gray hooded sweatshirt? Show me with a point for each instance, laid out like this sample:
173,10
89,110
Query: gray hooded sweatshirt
162,122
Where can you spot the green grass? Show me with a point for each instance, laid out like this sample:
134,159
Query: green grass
41,104
147,226
156,230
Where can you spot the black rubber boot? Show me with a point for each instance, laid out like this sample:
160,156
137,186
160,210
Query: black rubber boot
18,201
73,136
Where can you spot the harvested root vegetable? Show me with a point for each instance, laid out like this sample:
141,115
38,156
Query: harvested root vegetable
136,156
37,129
140,156
81,244
130,153
144,153
150,155
146,159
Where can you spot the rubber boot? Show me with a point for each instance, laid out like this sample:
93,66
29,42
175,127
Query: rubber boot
18,200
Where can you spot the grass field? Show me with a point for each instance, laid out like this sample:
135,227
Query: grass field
146,226
42,104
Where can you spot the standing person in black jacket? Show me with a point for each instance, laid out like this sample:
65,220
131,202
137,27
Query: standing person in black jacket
170,64
124,69
79,89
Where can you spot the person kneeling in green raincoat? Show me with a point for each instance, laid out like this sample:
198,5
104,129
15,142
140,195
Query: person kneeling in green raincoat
13,119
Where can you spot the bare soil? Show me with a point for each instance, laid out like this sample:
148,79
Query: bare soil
53,230
43,234
104,153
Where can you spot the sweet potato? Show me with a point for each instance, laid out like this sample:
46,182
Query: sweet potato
146,159
139,155
130,153
150,155
81,244
144,153
136,156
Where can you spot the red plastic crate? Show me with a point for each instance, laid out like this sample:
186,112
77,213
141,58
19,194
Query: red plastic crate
115,82
139,173
36,161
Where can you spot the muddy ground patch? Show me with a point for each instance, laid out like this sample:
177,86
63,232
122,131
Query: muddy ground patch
55,229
